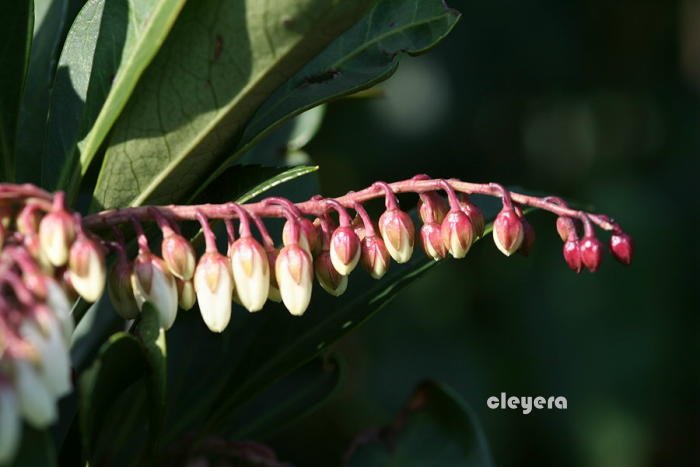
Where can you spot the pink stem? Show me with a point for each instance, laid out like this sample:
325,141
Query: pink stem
209,237
343,217
244,227
366,220
316,207
390,200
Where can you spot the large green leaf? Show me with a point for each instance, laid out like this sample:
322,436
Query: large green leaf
119,365
435,427
15,43
52,18
363,56
220,62
125,363
105,53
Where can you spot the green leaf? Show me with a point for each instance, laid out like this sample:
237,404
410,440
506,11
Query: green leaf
152,339
435,427
218,65
52,19
125,362
37,449
364,55
106,51
119,364
15,44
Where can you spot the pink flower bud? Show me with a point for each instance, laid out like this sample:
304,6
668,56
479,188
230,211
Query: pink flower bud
153,283
528,238
186,295
56,234
294,272
475,215
251,273
309,238
213,284
434,209
565,226
86,267
328,276
27,221
457,233
398,233
508,231
179,255
120,290
572,255
344,249
431,240
622,247
33,246
374,257
591,253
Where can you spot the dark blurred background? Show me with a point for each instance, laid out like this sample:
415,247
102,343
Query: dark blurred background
595,100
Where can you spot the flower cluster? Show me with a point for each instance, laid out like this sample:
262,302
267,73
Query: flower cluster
46,258
325,239
49,256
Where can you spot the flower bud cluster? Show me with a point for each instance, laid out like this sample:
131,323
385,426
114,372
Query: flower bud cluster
330,247
46,257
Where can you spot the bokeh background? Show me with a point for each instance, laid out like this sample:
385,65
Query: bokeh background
592,99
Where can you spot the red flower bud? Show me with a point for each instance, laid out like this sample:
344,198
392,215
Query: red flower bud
431,240
344,249
622,247
508,231
374,257
457,233
179,255
398,234
565,226
591,253
572,255
475,215
86,266
434,209
328,276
